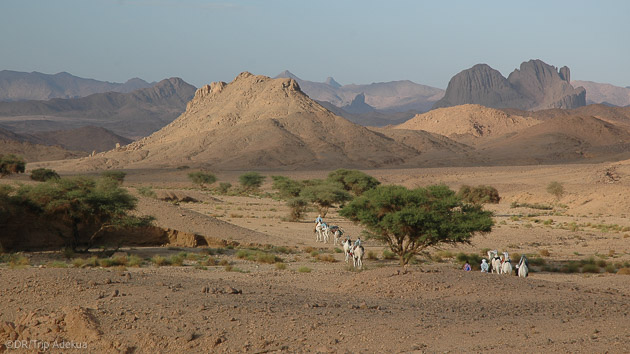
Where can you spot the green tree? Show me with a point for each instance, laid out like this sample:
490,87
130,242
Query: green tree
10,164
325,196
83,204
118,176
409,221
556,189
354,181
251,180
202,178
287,188
43,174
224,187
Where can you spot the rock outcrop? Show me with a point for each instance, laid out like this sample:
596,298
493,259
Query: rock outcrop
535,86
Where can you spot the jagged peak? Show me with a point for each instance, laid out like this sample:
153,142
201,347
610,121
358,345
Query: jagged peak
331,82
287,75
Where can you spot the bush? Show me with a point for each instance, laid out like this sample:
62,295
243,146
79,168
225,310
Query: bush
286,187
146,192
224,187
623,271
281,266
304,270
251,180
371,255
479,195
118,176
160,261
556,189
202,178
387,254
590,268
325,196
353,181
10,164
43,174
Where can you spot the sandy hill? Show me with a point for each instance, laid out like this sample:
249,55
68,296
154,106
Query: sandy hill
19,86
468,120
604,93
560,140
536,85
135,114
256,122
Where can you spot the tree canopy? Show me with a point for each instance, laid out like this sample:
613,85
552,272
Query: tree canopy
202,178
353,181
325,195
251,180
409,221
10,164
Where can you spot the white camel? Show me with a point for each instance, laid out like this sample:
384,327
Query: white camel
325,233
495,261
347,247
523,267
506,266
357,256
318,232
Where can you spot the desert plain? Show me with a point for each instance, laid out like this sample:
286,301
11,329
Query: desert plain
309,300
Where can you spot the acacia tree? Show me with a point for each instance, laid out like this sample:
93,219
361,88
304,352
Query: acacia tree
287,188
325,195
83,203
353,181
202,178
251,180
409,221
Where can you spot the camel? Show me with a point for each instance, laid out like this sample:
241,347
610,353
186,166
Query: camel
506,266
318,232
522,267
357,257
495,261
347,248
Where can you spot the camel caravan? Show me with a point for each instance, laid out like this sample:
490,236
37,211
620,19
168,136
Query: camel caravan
503,264
351,250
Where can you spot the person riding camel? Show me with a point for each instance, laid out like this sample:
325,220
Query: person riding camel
319,219
357,243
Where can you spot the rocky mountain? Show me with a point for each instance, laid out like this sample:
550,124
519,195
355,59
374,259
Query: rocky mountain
256,122
535,86
386,98
132,115
20,86
17,144
86,139
605,93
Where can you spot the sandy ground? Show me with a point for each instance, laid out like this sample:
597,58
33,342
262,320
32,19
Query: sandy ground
428,307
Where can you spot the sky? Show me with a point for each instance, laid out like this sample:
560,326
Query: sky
354,41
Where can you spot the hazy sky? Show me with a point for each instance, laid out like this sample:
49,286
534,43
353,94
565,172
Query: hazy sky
354,41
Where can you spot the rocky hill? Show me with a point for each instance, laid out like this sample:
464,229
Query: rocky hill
535,86
86,139
256,122
12,143
20,86
132,115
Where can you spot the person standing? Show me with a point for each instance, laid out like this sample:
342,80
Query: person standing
484,266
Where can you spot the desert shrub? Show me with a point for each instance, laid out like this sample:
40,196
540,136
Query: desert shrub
258,256
57,264
134,261
556,189
536,261
304,269
372,255
353,181
224,187
309,249
10,164
326,258
118,176
473,259
106,262
159,261
251,180
298,208
590,268
146,191
610,268
178,259
16,260
544,253
281,266
43,174
202,178
184,167
479,195
338,250
571,267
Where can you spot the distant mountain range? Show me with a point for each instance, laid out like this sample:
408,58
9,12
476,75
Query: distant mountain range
535,86
20,86
132,115
378,103
605,93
